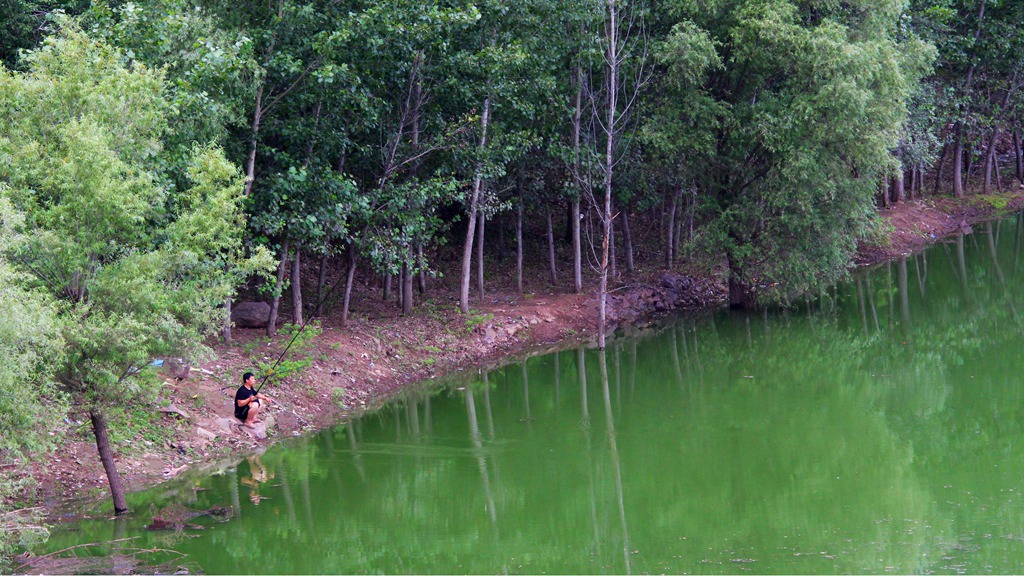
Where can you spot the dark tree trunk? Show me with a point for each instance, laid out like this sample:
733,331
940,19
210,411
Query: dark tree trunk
99,430
519,247
297,288
321,282
670,228
940,169
386,279
421,268
551,248
499,223
739,292
885,192
1018,156
407,278
958,164
275,302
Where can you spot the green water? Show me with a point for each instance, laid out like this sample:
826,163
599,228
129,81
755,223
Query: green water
876,430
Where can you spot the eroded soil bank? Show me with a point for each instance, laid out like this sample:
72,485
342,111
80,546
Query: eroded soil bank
380,353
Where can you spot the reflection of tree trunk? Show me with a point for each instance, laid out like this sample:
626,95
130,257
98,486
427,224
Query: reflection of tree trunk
961,266
558,383
901,282
1002,279
487,407
236,503
357,458
474,434
581,369
99,429
526,393
412,414
289,497
921,265
675,356
862,304
632,367
616,465
871,302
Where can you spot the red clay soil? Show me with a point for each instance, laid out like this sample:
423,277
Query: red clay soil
380,353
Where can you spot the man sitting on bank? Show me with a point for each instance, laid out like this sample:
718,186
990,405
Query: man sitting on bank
248,402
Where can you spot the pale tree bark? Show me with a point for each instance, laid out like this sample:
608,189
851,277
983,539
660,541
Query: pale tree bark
297,287
471,210
353,260
275,301
609,165
577,246
670,231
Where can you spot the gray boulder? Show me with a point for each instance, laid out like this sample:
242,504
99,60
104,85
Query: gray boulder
250,314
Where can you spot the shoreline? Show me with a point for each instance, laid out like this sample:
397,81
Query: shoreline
380,354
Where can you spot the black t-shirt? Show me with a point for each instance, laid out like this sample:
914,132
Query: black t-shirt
244,392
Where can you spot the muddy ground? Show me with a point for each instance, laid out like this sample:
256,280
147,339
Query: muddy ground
380,352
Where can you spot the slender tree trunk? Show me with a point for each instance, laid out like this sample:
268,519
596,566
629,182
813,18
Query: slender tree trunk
421,274
609,164
353,259
627,242
939,170
613,262
297,287
481,222
386,280
670,230
99,430
577,249
913,182
1018,155
898,187
990,160
275,302
474,201
250,162
551,247
407,279
321,282
958,163
885,192
519,247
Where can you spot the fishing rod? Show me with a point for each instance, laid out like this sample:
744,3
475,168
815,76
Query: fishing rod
319,306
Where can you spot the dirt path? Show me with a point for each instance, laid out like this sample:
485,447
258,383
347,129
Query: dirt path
380,353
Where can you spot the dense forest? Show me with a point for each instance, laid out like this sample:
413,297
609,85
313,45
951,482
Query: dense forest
158,156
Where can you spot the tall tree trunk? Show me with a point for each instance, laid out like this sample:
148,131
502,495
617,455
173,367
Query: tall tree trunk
250,162
739,292
609,165
551,247
386,281
480,223
407,279
913,183
99,430
613,261
670,231
577,249
885,192
321,282
939,170
1018,156
421,269
627,241
519,247
958,163
990,160
353,259
474,201
899,192
297,287
275,302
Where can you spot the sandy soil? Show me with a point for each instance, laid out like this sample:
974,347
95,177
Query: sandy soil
380,353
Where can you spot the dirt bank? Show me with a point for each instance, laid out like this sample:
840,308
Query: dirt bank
380,352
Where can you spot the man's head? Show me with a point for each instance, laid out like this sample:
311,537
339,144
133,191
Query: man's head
247,377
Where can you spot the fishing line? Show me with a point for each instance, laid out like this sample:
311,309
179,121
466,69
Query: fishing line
319,306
